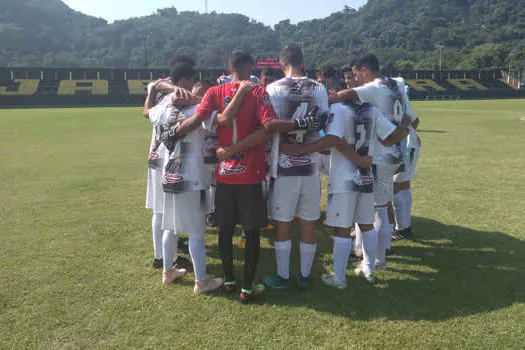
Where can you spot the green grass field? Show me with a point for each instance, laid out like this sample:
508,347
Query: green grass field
75,246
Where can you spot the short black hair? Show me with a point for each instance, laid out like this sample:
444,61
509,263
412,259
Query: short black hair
182,58
369,61
348,67
270,72
180,70
292,55
328,72
240,58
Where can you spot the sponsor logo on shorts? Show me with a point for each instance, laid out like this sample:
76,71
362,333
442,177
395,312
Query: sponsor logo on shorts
172,178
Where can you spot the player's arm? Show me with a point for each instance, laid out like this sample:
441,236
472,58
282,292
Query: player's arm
347,95
348,151
150,100
181,97
293,149
253,140
226,117
398,135
415,124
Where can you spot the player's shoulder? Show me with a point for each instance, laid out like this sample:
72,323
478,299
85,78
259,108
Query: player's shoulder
279,85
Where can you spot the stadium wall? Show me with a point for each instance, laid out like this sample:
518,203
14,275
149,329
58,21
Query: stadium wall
83,87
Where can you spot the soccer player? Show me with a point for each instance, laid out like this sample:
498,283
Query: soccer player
268,76
184,184
240,198
385,94
402,180
296,187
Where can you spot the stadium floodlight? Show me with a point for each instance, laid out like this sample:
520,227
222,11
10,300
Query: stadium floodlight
440,48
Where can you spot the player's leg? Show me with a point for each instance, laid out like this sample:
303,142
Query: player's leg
284,195
309,212
226,219
211,219
170,238
339,216
384,193
408,195
155,201
253,214
364,216
157,232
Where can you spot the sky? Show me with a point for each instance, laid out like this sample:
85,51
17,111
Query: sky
269,12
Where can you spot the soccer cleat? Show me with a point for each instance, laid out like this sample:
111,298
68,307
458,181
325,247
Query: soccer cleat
230,286
211,220
158,263
407,233
247,295
367,277
276,282
207,286
182,263
397,235
330,281
173,275
380,266
302,282
242,243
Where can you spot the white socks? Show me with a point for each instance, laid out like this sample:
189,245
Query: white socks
358,237
210,199
282,257
156,229
307,258
198,256
408,206
370,245
400,210
169,247
382,227
342,249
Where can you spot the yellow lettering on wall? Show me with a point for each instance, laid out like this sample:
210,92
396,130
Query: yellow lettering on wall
138,87
94,87
26,87
424,85
466,84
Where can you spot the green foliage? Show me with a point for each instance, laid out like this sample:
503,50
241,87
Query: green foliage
403,33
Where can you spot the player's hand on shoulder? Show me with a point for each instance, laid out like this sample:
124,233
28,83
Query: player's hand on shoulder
246,86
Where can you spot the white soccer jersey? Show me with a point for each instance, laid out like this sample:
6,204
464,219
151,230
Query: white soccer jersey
184,168
387,95
413,139
293,98
360,126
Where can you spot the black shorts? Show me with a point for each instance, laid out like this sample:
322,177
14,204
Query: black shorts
244,205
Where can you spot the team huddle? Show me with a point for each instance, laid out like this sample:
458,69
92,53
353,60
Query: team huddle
249,149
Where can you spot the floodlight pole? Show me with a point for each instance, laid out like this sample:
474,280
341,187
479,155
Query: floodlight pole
440,48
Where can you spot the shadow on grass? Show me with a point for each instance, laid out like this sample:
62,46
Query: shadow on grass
447,272
433,131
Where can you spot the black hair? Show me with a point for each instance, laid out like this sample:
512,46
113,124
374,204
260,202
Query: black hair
348,67
182,58
328,72
334,85
369,61
240,59
291,55
180,70
271,72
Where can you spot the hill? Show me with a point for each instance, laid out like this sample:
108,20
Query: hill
476,34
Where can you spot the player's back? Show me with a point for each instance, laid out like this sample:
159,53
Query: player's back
385,94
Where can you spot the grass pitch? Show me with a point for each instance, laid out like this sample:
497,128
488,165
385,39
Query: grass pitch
75,246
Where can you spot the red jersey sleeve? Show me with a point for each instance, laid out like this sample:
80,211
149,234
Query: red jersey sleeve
263,107
208,104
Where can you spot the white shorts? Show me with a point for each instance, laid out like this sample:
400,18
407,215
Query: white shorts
410,167
295,195
344,209
185,213
384,183
155,192
324,164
